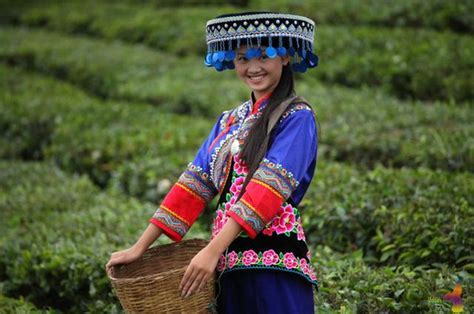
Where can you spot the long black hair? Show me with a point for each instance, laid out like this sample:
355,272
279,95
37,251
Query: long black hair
251,152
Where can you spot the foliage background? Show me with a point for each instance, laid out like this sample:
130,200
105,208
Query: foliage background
102,105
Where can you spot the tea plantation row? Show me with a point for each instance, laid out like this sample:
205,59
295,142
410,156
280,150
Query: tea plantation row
439,67
397,134
437,14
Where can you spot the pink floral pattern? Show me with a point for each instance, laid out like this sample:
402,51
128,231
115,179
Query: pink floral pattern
218,223
305,268
269,258
249,257
299,231
290,260
284,223
221,263
288,221
232,258
236,186
239,166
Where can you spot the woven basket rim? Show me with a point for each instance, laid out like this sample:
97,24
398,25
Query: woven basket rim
151,276
155,276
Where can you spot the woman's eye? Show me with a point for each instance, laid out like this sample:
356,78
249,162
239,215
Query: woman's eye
242,59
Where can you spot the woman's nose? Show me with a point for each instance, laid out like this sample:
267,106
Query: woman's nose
255,65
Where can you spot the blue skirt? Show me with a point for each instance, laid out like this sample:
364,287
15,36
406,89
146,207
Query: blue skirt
264,291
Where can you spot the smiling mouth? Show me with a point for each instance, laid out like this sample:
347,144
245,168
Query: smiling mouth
256,78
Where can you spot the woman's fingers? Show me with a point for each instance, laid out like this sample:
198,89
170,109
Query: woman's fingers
195,284
203,283
115,258
188,278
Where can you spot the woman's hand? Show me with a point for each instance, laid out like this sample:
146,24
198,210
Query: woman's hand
150,234
199,271
124,257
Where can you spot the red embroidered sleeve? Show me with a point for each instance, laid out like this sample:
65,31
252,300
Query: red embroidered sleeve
184,202
190,194
270,186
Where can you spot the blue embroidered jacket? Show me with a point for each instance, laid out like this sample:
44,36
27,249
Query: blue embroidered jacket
273,234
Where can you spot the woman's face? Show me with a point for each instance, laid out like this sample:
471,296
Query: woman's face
261,74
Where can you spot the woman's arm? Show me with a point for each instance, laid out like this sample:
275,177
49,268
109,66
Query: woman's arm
202,266
131,254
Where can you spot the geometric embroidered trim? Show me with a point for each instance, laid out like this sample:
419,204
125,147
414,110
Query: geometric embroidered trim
277,177
248,215
199,182
171,221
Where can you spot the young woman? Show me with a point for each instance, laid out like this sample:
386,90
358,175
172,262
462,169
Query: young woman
260,157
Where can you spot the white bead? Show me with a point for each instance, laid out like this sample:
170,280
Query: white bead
234,149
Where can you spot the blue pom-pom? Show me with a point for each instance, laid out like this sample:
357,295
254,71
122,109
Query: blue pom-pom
281,51
215,57
221,56
250,53
219,66
313,60
271,52
258,52
230,55
303,66
208,60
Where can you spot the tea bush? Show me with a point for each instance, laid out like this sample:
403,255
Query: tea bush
439,67
437,14
349,285
86,135
396,216
57,234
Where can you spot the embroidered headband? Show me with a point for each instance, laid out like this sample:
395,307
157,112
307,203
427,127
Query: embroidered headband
280,34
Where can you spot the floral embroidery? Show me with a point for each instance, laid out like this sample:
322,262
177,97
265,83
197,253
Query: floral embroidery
218,223
236,187
250,258
221,263
232,258
270,258
287,222
290,260
300,233
239,166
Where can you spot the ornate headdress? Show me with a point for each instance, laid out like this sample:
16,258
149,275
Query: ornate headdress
280,34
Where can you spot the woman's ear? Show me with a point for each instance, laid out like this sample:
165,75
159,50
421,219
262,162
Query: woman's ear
285,60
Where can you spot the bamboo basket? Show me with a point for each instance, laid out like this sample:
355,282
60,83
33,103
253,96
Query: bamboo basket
151,283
